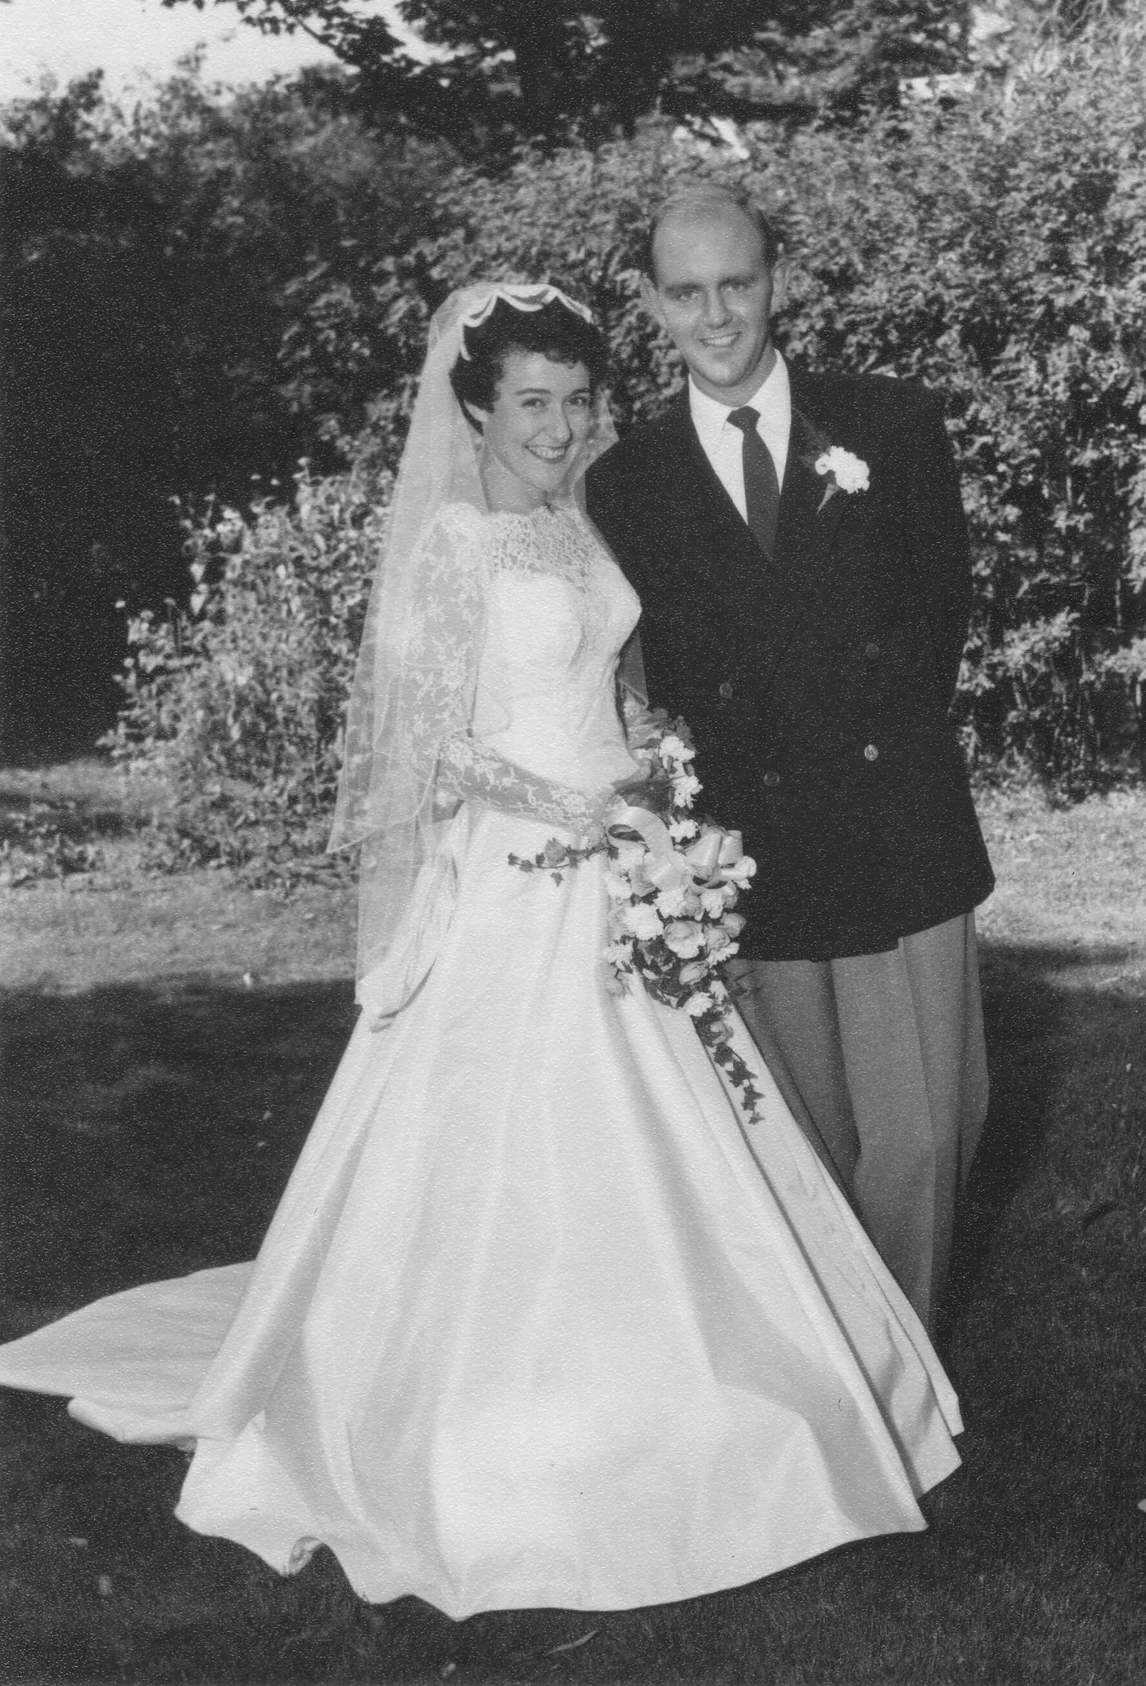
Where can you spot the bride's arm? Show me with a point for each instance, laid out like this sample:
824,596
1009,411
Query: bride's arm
471,770
443,658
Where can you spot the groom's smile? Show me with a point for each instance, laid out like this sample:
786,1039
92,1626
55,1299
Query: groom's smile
714,293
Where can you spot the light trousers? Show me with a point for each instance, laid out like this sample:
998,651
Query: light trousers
882,1058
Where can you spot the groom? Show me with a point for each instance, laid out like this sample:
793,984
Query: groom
800,551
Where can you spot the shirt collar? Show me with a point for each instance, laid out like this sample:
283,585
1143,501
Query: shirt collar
772,397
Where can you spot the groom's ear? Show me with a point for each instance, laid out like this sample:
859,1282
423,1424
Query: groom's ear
651,300
781,276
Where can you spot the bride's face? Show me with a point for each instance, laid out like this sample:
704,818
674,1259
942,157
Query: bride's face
535,431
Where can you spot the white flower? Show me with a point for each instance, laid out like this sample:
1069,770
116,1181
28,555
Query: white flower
643,921
628,855
618,954
849,472
698,1004
674,902
617,888
685,937
640,884
741,871
715,900
671,748
686,787
683,831
693,970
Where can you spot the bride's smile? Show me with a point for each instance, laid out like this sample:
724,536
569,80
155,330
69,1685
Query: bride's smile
533,434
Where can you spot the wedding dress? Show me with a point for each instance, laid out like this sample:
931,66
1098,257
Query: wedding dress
541,1319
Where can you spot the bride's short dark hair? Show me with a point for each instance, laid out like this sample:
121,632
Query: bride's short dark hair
553,331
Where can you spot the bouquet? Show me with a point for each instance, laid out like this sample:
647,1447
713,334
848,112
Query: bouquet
673,882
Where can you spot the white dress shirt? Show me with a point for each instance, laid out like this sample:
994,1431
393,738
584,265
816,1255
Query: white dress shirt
723,444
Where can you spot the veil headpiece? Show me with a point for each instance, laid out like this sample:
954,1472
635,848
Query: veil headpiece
385,800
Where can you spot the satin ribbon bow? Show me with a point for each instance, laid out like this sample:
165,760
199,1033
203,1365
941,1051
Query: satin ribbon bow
702,865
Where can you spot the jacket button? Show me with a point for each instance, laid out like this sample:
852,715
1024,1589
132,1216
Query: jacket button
726,689
771,780
871,651
870,752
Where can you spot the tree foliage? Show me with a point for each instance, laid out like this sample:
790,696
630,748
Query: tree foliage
545,67
168,278
207,289
995,250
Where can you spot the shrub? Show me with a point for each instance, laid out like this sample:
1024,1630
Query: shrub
995,250
169,275
234,703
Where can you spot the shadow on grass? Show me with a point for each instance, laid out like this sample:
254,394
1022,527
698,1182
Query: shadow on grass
1022,1017
1038,1001
150,1131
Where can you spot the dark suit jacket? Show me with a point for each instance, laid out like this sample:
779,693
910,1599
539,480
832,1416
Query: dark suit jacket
817,686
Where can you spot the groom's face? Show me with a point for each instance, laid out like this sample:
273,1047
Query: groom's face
714,293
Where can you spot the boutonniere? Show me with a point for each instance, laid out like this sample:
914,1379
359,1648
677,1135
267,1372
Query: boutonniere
842,471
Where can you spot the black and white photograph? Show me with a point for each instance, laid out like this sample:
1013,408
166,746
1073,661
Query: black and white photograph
573,842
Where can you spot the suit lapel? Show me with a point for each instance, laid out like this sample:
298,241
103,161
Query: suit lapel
805,549
808,440
724,562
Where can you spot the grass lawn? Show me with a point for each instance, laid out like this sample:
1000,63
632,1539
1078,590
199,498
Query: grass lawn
165,1045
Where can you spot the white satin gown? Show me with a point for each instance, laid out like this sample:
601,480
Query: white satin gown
541,1319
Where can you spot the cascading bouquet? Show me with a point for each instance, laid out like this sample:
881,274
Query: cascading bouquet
673,882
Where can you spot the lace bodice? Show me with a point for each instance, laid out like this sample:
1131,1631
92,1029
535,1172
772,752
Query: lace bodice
547,541
541,736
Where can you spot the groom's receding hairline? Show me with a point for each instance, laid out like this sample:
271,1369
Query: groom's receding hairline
707,196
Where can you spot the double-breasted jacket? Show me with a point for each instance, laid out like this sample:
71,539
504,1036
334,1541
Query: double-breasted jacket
817,685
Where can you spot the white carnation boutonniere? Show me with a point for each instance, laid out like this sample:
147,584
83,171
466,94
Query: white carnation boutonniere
843,470
840,470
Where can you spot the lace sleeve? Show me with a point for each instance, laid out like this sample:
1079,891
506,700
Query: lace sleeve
442,661
479,774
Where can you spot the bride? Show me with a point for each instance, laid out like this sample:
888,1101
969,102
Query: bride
543,1317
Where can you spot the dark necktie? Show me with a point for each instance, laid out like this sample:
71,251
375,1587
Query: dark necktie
761,486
